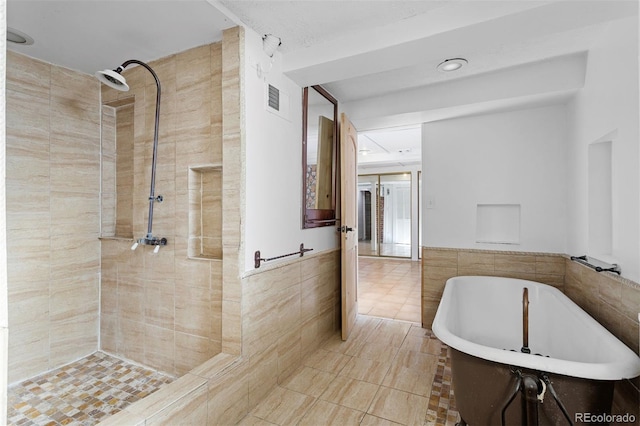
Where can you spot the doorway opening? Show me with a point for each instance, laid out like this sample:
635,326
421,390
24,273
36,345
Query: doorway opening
384,215
389,273
389,284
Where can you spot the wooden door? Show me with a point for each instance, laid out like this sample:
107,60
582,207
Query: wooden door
348,222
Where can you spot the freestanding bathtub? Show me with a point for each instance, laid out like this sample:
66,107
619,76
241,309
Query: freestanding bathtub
573,359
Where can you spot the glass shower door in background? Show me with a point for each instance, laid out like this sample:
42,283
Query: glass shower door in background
384,215
420,214
367,215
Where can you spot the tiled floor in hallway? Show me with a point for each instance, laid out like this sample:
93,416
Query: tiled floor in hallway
389,288
387,373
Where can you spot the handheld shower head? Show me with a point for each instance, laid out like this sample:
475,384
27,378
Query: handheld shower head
113,79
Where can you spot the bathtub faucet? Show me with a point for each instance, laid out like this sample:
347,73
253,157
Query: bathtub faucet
525,321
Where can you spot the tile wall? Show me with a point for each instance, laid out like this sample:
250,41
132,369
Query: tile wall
272,317
610,299
288,311
440,264
165,310
233,187
53,184
53,204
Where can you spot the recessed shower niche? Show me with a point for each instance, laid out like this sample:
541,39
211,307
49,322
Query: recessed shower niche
117,136
498,223
205,212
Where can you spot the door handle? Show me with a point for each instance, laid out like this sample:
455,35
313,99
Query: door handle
344,229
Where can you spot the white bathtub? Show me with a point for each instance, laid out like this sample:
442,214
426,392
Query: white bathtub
482,316
480,319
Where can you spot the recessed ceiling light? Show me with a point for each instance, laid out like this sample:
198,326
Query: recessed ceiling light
18,37
452,64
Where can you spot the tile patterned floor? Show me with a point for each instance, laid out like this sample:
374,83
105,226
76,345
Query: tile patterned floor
388,373
389,288
82,393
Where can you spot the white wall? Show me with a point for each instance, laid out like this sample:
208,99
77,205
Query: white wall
608,105
274,165
513,157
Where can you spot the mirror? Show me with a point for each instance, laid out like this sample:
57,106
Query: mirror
319,157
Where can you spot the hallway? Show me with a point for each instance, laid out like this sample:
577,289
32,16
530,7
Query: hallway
389,288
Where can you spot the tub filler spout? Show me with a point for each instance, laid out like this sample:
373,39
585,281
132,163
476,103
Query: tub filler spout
525,321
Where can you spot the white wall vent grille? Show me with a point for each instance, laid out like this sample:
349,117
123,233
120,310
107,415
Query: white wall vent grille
277,101
274,98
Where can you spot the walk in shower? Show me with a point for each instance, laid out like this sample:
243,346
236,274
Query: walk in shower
81,176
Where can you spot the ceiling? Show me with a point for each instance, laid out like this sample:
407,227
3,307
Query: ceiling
396,146
377,57
91,35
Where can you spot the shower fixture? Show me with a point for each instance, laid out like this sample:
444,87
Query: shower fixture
115,80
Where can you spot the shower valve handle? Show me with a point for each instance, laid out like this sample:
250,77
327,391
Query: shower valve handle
158,199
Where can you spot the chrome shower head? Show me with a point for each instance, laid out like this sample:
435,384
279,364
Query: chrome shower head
113,79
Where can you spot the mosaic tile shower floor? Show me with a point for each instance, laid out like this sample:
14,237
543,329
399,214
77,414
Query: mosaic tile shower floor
81,393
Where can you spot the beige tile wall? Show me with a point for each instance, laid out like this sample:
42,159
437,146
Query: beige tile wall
165,310
233,187
440,264
205,212
271,318
289,309
117,130
53,169
610,299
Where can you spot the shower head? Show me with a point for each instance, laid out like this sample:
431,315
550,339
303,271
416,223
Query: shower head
113,79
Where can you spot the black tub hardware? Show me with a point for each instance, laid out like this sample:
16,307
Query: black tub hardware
597,265
512,396
545,380
533,388
258,259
